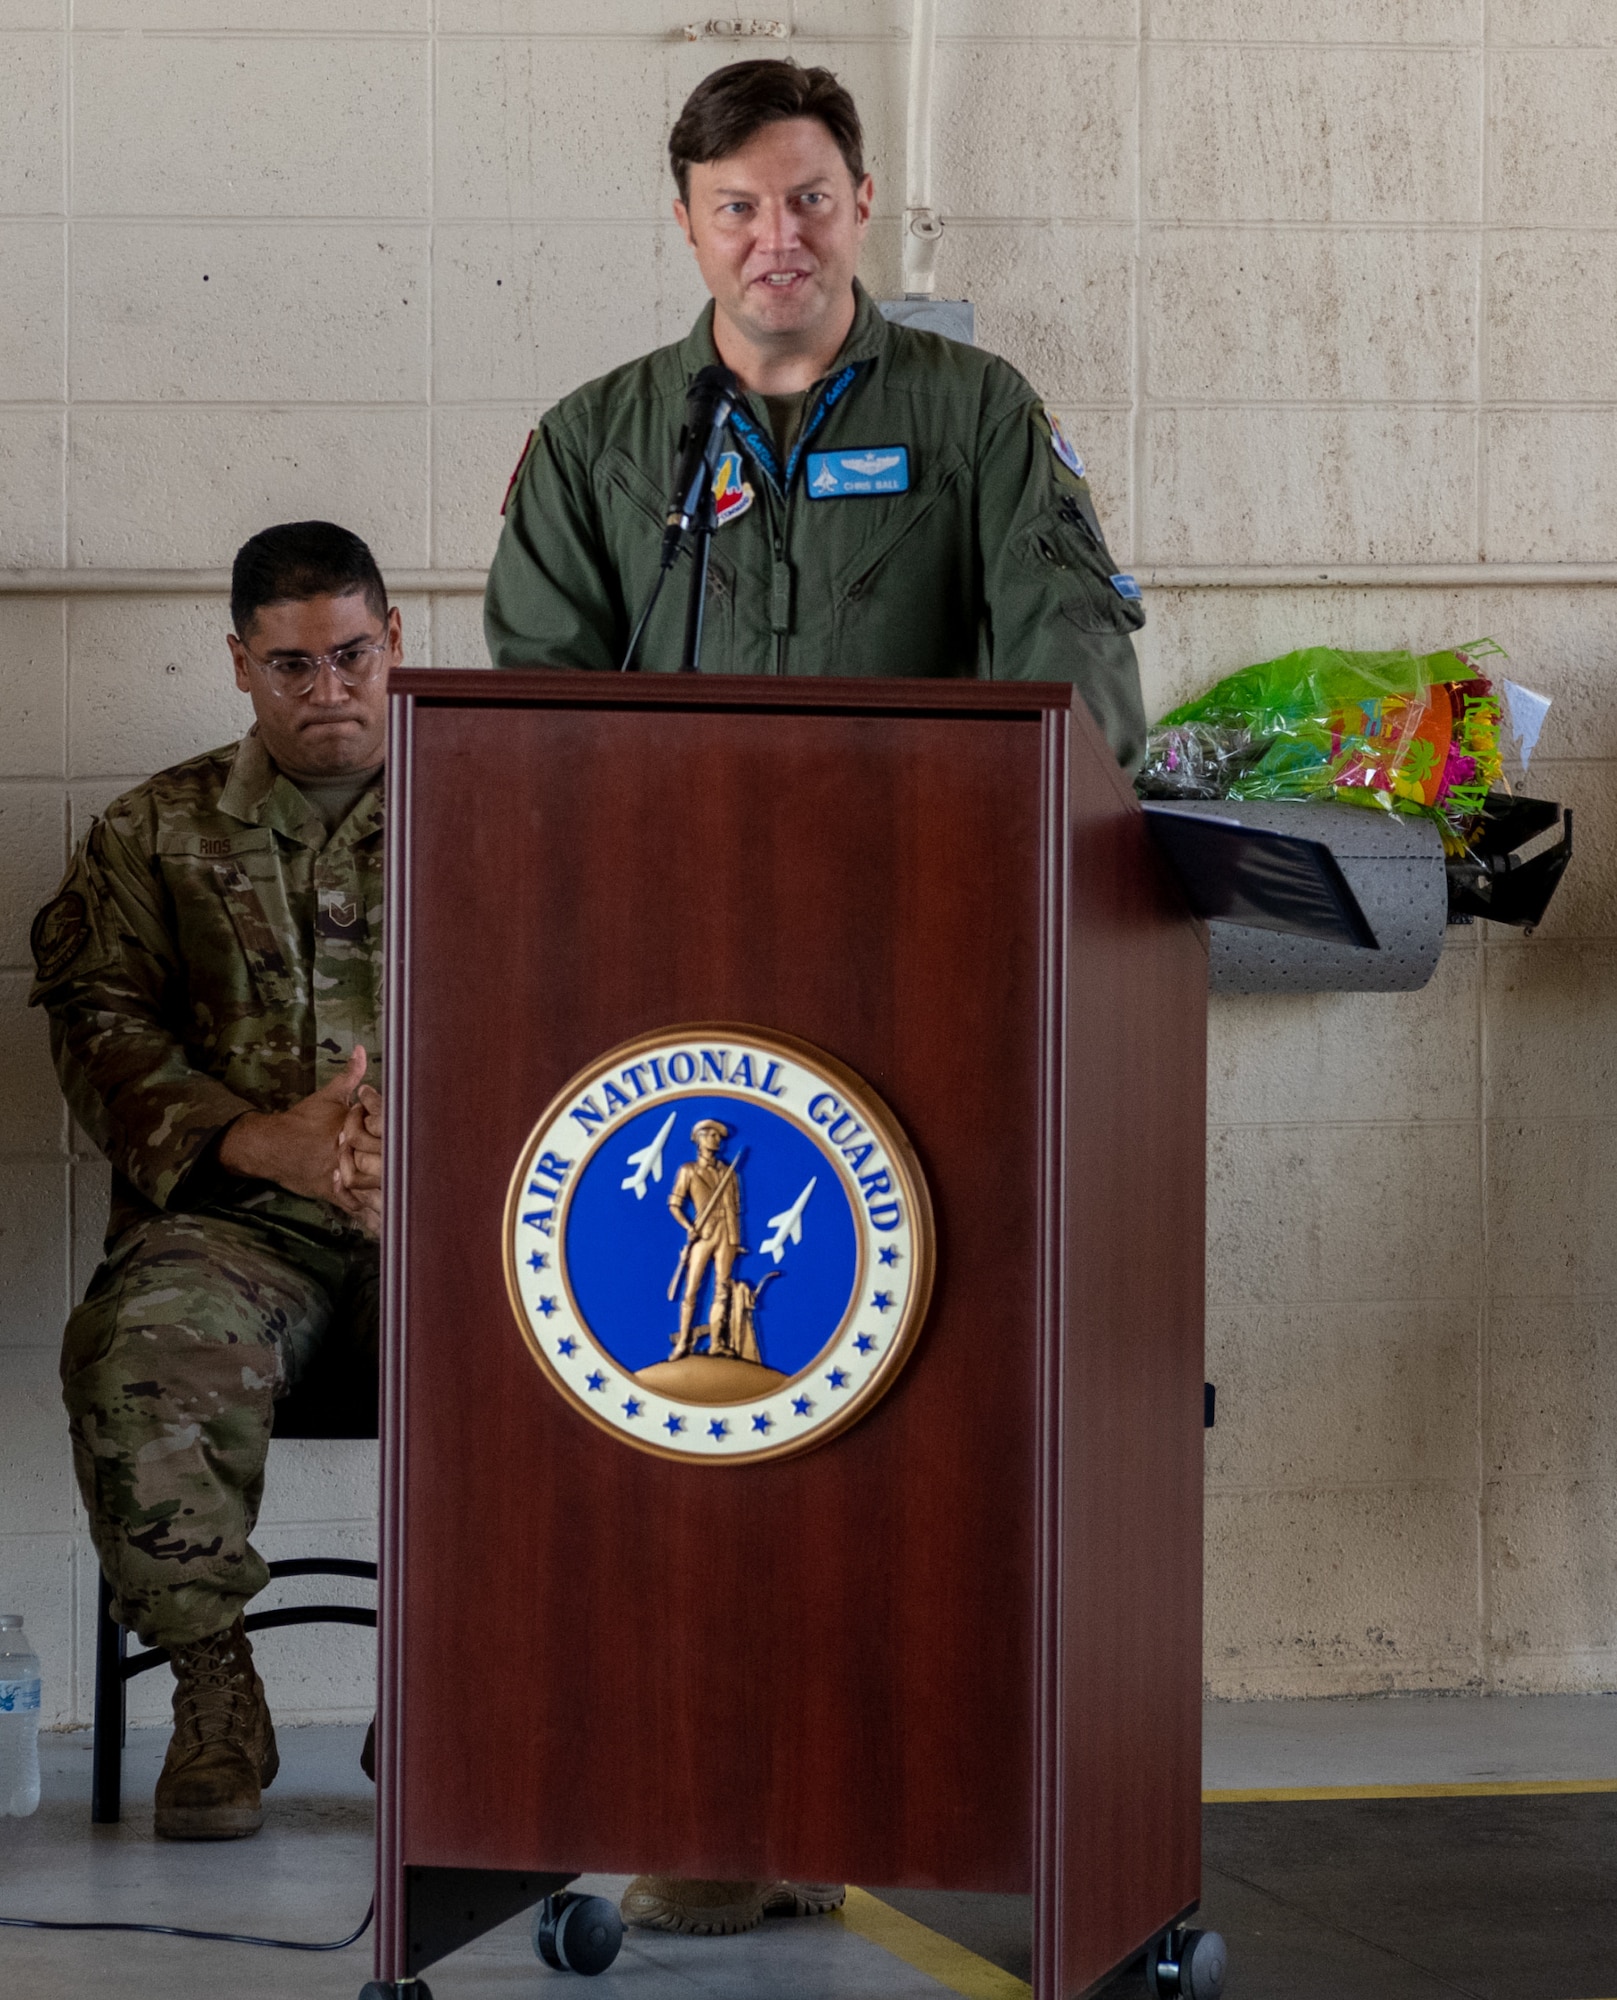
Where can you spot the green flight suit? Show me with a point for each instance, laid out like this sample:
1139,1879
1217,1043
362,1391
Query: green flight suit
212,950
989,561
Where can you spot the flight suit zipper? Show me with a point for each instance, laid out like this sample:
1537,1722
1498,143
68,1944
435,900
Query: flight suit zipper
783,485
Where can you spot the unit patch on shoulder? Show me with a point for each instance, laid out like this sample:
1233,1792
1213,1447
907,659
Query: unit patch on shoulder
732,495
59,933
1064,449
718,1245
511,483
1126,587
881,468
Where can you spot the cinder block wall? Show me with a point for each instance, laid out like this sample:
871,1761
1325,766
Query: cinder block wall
1314,287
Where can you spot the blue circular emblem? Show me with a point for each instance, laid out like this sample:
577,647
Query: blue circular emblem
719,1244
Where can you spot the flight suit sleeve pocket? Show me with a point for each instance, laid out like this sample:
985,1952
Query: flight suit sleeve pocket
1068,557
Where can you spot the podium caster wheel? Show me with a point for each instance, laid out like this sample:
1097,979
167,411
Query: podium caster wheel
577,1933
1186,1965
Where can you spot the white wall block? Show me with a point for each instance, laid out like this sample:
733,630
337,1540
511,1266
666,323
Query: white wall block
32,446
1456,21
536,128
33,825
1564,644
1551,1584
33,683
33,90
1280,1058
971,20
152,683
186,312
1552,24
526,312
1311,134
32,14
1552,297
33,1443
33,1257
1303,485
316,1480
1552,1030
32,1119
457,632
1055,300
1300,1213
33,326
1554,124
1330,1395
475,453
1552,1390
1311,314
1549,1209
250,126
1034,129
1551,484
92,1184
1341,1592
185,488
203,17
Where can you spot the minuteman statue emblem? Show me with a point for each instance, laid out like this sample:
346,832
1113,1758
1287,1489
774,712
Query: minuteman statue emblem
770,1296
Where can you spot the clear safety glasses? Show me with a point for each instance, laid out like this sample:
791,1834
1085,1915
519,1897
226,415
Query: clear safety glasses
294,674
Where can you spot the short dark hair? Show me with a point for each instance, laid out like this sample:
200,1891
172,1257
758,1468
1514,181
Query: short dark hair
298,560
727,108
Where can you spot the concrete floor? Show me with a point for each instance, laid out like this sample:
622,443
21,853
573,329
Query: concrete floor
1340,1899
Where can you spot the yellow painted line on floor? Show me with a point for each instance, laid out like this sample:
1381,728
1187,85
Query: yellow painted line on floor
1527,1788
940,1958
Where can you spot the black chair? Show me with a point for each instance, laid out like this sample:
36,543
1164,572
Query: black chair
337,1403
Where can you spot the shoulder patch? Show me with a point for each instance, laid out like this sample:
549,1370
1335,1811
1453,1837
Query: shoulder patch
511,483
59,933
1064,449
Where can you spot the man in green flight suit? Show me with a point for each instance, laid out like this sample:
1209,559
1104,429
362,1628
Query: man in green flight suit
897,504
211,967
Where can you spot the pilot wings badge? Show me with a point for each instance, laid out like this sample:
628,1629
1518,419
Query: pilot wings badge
718,1244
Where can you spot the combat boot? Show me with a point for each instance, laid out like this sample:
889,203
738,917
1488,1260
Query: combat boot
222,1755
720,1909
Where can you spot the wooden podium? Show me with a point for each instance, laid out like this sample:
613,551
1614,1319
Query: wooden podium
959,1645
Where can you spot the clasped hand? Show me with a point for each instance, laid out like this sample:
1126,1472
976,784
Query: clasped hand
328,1146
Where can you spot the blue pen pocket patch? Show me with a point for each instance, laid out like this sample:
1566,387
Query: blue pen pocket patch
836,475
1126,588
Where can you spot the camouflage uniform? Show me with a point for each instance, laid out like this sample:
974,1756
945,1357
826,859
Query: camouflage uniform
211,951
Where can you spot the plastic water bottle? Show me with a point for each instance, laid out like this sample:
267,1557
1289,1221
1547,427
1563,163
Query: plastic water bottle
19,1720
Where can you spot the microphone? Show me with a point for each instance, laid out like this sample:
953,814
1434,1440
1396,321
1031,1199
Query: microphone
713,393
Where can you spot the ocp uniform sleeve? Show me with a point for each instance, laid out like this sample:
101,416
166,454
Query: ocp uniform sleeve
551,593
108,977
1053,612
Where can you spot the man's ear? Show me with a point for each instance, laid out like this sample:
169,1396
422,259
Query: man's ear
395,633
238,659
682,216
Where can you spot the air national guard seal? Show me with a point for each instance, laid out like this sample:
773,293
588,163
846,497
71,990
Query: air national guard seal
719,1245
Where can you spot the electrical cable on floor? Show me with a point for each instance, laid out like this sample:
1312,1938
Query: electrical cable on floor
205,1937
